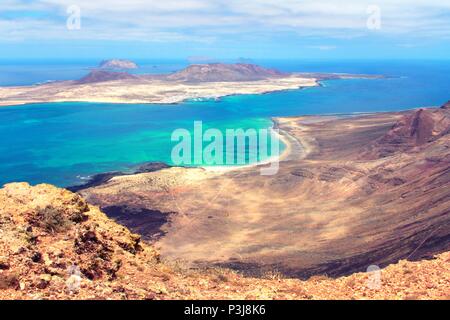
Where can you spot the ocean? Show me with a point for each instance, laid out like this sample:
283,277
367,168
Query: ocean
65,143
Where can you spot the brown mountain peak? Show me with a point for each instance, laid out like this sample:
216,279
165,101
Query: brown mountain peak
424,125
223,72
103,76
413,130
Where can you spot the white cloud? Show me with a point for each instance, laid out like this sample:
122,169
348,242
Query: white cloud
205,20
322,47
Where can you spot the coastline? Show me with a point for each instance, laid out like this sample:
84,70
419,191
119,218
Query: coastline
101,178
294,150
155,91
287,139
307,195
289,151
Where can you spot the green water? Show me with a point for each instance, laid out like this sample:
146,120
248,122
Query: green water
64,143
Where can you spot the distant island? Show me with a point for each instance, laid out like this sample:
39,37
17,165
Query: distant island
216,72
98,75
196,81
118,64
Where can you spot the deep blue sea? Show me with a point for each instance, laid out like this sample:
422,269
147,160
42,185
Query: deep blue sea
64,143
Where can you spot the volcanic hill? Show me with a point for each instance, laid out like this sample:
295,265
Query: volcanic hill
224,72
117,64
104,76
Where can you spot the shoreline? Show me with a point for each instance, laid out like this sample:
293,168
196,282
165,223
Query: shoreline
175,103
163,92
102,178
98,179
282,135
229,214
145,91
287,139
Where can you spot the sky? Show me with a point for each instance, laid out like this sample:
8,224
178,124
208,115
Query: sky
225,29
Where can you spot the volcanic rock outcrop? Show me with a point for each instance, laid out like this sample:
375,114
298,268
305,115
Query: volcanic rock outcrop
46,232
103,76
412,131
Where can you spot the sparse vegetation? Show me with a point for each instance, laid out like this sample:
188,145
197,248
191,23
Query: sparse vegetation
8,281
273,275
52,220
319,277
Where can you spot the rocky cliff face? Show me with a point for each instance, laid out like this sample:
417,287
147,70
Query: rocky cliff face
51,236
412,131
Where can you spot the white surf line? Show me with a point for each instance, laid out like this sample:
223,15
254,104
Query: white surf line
294,150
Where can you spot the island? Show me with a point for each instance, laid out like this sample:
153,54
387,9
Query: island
118,64
196,81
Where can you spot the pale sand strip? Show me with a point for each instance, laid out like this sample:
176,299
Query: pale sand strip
293,150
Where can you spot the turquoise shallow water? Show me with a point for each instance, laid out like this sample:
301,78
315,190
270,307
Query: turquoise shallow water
63,143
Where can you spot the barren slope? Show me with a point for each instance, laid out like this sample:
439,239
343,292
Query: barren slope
54,245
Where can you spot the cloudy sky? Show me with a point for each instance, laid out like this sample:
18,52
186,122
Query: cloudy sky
225,28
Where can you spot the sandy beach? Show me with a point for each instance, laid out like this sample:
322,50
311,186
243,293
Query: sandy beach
293,148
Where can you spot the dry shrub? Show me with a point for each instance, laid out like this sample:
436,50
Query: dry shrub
52,220
8,280
319,277
273,275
